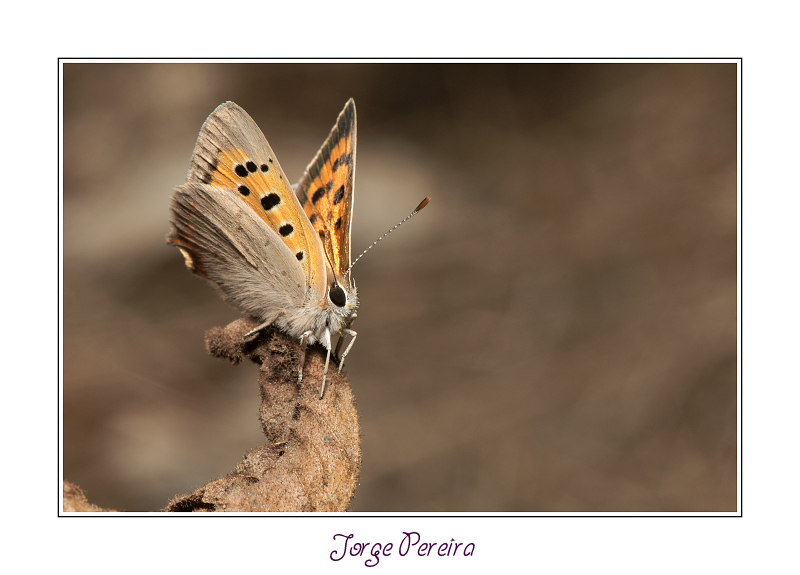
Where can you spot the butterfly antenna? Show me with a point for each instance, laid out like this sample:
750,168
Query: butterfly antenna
421,205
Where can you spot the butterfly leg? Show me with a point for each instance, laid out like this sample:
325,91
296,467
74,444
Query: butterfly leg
303,345
352,334
324,374
341,339
255,330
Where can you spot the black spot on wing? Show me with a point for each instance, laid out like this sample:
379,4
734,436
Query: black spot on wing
339,195
270,201
344,159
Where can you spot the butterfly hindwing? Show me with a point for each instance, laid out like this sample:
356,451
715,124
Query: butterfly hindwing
213,230
326,189
232,154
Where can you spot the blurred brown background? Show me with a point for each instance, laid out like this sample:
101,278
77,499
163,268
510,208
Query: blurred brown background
555,332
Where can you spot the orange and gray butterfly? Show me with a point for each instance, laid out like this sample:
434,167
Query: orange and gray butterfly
326,190
238,224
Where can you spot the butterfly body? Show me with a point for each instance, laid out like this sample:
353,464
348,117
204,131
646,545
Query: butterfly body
277,254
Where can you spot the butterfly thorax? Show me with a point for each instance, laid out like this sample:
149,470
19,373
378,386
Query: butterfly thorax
324,318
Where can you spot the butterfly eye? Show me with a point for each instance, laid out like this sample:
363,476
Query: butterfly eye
337,295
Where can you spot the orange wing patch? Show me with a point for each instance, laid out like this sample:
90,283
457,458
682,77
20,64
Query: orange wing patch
326,190
263,189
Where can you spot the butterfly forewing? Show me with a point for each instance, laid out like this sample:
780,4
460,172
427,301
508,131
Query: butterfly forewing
232,154
326,190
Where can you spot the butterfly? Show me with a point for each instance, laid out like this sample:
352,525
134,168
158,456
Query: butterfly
277,253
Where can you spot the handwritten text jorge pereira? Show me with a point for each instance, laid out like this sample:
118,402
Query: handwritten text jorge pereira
411,542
